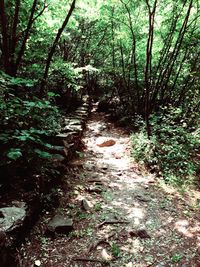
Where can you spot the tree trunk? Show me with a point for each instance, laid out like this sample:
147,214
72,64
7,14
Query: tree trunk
53,48
23,46
5,40
148,68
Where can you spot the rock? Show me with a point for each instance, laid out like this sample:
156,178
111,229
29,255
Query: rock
73,128
95,189
37,263
142,233
19,204
12,217
60,224
142,198
105,143
73,121
86,204
104,167
66,136
96,181
105,255
82,109
89,166
160,264
101,127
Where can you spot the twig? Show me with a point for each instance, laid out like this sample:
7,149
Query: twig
103,240
111,222
87,259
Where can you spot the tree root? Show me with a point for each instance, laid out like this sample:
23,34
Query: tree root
111,222
103,240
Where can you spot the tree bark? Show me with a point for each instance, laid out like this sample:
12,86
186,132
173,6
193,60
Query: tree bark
5,40
53,48
23,46
148,68
14,31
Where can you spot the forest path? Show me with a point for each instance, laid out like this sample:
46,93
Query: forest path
123,216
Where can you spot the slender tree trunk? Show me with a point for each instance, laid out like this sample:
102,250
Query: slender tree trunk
177,46
148,68
23,46
14,32
53,48
5,40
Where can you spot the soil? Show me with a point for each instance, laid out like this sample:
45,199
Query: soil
123,216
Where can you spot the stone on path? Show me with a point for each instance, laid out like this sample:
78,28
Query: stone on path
95,189
37,263
12,217
60,224
86,204
142,233
105,142
142,197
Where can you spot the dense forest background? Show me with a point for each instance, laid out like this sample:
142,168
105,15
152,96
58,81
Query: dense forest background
140,59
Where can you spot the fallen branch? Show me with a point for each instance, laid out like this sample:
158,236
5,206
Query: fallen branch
111,222
103,240
88,259
94,260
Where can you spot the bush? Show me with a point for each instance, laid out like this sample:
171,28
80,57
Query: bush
172,148
25,125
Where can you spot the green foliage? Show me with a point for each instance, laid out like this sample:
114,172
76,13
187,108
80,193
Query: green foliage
172,148
14,153
176,258
115,250
25,124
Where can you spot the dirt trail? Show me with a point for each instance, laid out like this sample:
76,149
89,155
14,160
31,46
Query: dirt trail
122,215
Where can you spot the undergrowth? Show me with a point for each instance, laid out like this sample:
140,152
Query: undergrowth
172,150
26,125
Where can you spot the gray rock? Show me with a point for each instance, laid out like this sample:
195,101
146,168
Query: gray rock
142,198
81,114
73,128
82,109
11,217
60,224
160,264
73,121
95,189
66,137
86,204
141,233
90,166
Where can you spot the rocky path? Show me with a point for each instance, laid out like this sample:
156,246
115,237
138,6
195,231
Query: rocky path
113,213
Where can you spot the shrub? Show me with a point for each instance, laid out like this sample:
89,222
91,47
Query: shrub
25,125
172,148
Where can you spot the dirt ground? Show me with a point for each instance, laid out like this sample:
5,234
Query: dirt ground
122,215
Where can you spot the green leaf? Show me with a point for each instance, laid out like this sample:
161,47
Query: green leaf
14,153
43,154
